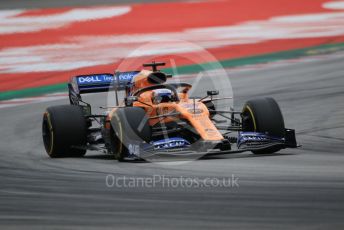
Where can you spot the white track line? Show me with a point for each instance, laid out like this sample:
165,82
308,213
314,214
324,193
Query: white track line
254,67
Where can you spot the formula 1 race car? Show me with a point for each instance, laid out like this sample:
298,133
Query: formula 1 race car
159,118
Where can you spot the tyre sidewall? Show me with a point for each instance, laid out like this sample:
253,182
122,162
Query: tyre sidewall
68,128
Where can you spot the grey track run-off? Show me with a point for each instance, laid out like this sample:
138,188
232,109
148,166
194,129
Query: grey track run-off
300,188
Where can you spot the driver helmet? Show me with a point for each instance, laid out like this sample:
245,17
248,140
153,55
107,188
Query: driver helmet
162,95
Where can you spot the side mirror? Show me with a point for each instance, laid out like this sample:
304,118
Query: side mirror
212,92
130,100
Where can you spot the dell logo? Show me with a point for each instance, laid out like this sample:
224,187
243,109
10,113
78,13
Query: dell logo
91,79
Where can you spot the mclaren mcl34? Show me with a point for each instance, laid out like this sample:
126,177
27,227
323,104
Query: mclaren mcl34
159,118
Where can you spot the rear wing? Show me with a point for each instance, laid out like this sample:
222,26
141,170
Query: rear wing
94,83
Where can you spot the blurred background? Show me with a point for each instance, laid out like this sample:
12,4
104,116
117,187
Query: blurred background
291,50
44,43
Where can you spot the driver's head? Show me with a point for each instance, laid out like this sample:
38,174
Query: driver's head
162,95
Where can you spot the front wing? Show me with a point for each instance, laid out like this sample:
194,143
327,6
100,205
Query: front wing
246,141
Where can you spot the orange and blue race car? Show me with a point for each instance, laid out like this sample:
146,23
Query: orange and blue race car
157,118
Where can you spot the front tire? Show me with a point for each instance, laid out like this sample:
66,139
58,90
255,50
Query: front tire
63,129
263,115
129,125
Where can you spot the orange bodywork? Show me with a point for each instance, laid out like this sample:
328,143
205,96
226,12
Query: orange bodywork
187,109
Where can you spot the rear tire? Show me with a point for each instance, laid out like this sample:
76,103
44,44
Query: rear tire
64,127
263,115
129,125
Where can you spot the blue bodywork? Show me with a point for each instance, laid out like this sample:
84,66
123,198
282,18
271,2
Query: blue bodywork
96,79
170,143
91,83
256,140
102,82
135,149
247,141
123,79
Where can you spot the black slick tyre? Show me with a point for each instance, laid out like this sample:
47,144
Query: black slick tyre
263,115
129,125
64,129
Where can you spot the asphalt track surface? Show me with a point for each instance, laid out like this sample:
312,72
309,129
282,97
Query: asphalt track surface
299,188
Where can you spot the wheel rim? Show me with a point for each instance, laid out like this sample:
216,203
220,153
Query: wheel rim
47,134
248,120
